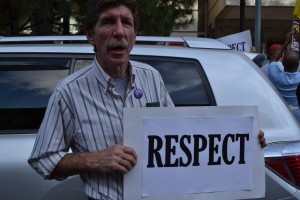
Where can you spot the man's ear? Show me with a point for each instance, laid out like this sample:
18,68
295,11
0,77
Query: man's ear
90,37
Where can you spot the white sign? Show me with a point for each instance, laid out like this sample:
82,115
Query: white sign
295,44
240,41
193,153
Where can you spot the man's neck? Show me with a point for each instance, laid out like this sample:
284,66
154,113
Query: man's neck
116,71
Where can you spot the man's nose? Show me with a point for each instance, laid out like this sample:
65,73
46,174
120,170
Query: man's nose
119,29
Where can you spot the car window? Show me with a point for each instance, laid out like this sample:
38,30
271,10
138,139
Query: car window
81,63
26,85
187,84
184,80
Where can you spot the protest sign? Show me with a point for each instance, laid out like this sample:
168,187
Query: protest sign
295,44
240,41
194,152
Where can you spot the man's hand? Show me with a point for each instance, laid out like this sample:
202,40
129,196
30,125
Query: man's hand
116,158
288,38
261,138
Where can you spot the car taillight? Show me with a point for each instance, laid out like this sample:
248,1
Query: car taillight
293,163
288,167
284,158
176,44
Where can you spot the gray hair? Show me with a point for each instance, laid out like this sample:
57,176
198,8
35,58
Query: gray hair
96,7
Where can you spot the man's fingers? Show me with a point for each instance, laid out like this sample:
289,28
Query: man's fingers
262,140
126,158
129,158
130,151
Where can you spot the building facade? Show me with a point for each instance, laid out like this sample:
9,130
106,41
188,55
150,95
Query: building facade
219,18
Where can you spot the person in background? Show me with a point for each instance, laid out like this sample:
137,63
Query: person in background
259,60
286,81
272,50
85,112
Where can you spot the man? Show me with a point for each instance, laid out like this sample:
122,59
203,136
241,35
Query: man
85,111
286,81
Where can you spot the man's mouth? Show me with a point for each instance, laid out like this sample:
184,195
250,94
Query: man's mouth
118,49
117,45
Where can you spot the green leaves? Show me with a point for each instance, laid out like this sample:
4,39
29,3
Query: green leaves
160,17
57,17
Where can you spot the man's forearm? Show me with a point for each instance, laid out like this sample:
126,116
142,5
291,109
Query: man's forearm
279,52
69,165
115,158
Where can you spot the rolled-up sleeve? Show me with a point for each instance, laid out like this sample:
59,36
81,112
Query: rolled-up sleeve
54,137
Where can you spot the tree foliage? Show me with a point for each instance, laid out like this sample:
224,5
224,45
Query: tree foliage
159,17
52,17
40,17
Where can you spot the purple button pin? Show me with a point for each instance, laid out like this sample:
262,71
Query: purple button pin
138,93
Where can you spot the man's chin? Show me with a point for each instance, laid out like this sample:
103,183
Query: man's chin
119,62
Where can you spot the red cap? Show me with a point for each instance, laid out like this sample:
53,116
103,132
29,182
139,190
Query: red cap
274,47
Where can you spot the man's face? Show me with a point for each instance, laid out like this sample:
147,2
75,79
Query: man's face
113,37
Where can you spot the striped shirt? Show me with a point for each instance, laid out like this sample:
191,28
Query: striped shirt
85,114
285,82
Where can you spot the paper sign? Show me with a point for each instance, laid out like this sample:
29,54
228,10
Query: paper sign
186,150
240,41
295,44
194,153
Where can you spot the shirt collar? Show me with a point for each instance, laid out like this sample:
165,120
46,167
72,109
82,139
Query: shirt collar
132,73
106,81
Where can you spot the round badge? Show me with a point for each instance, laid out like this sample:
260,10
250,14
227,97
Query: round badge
138,93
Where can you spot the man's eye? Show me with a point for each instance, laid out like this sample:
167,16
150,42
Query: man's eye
129,23
106,21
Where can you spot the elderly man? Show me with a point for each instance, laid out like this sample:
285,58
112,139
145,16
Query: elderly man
85,112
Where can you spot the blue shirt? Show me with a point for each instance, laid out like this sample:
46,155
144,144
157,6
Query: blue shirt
265,68
285,82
